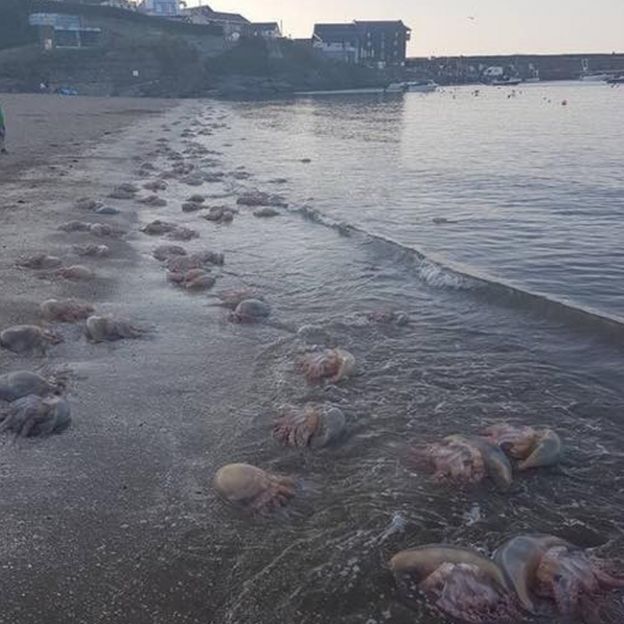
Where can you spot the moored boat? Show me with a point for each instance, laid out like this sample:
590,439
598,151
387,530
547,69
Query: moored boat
421,86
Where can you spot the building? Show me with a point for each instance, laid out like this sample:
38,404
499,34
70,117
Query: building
160,8
266,30
338,42
383,43
377,43
234,25
65,31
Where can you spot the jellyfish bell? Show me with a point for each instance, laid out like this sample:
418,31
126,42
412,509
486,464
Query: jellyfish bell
253,489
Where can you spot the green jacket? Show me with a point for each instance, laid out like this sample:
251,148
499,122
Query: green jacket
1,118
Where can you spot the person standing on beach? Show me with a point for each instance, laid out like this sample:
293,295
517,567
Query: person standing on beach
2,132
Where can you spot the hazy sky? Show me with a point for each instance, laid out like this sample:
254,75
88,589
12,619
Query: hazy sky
443,26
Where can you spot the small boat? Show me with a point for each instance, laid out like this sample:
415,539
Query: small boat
506,82
421,86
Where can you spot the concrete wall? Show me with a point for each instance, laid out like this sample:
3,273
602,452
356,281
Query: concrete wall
459,69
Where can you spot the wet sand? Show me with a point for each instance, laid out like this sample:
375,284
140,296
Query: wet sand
87,514
115,520
53,128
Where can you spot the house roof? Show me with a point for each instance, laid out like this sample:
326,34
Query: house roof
335,32
381,24
341,32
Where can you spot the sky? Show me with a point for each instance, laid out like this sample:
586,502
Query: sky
452,27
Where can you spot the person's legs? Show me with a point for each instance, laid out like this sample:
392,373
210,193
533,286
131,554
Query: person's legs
2,140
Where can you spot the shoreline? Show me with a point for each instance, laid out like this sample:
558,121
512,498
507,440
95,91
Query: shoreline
115,521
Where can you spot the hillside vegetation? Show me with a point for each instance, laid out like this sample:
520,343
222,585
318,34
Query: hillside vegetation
172,59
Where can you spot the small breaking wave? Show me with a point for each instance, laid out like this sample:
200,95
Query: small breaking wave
441,273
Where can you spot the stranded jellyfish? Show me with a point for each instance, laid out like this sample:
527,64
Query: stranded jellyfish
35,416
533,448
253,488
332,365
459,582
93,251
165,252
311,427
75,272
231,298
250,311
194,279
19,384
66,310
549,567
109,328
464,459
28,339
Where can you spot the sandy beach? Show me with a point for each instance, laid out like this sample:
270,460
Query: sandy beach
53,129
86,515
115,520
